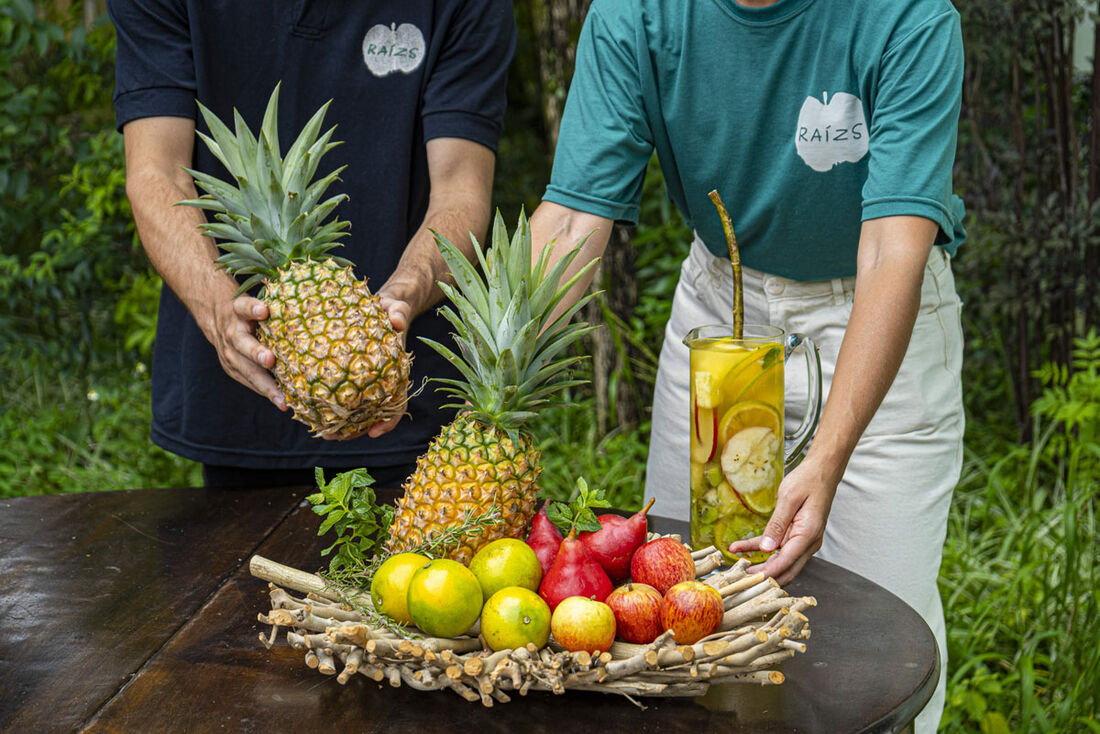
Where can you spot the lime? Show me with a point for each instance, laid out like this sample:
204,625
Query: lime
746,414
390,585
513,617
506,562
444,598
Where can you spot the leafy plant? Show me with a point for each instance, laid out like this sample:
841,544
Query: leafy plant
350,509
1021,568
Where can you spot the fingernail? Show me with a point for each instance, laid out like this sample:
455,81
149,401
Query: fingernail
767,544
258,310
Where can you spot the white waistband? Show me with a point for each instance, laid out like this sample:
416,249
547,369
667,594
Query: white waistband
703,260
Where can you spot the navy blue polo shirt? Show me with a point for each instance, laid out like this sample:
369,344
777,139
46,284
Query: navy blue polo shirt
399,74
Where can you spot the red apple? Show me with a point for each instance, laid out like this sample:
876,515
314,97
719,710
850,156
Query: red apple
692,610
637,609
579,623
662,563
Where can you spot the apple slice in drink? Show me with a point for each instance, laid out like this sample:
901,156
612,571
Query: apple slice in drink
704,444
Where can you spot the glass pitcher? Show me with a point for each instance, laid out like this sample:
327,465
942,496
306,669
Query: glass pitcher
739,449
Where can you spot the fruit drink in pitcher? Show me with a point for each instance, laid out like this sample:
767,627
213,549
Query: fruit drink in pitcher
738,454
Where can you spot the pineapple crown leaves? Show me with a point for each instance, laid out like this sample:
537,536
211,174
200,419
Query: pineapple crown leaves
510,350
272,215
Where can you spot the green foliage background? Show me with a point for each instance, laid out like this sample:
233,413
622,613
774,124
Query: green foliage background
78,306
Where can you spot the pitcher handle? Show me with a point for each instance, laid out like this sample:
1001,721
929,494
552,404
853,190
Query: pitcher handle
805,431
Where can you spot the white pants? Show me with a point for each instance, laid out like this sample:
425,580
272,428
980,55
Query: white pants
889,518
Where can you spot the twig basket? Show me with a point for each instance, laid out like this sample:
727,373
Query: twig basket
762,626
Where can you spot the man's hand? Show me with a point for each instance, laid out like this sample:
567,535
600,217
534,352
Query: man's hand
157,149
243,357
461,174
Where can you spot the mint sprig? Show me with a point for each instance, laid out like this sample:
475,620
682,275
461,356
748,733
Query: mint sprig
350,509
577,514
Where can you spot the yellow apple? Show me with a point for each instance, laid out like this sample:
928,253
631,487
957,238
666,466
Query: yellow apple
580,623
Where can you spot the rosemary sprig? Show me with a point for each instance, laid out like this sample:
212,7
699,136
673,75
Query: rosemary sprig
447,540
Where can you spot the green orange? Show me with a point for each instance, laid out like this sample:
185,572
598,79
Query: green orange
444,598
513,617
506,562
390,585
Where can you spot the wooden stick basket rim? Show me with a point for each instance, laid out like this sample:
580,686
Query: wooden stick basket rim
762,626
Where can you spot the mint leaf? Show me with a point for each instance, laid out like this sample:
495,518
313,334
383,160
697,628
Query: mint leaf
587,521
349,508
561,515
578,514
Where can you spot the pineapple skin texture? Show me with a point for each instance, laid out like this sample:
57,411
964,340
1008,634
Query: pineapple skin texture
340,363
468,468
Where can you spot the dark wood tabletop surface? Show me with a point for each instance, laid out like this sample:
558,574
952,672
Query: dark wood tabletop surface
134,612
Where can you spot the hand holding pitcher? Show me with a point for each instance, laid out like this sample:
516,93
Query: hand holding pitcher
737,443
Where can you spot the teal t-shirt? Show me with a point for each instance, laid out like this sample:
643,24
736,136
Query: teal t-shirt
807,116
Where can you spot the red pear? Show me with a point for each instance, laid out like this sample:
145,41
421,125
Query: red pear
544,539
574,573
613,545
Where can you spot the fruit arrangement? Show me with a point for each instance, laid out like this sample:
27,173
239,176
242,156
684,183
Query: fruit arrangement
462,585
723,625
676,623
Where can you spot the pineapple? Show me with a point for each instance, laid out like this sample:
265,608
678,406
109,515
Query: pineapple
511,359
338,360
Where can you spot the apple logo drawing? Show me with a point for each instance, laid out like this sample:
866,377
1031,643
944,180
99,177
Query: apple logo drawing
831,131
395,48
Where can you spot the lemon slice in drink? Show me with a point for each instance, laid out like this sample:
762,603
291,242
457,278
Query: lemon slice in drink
746,414
761,502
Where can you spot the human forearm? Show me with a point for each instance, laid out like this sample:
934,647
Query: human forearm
176,248
461,174
156,150
415,280
564,228
892,256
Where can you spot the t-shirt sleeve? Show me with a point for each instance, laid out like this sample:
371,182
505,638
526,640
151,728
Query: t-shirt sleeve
465,94
154,68
914,127
605,140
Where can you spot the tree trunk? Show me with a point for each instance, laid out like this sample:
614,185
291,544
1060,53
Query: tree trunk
1092,249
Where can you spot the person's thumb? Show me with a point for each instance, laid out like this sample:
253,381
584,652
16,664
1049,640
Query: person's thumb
398,311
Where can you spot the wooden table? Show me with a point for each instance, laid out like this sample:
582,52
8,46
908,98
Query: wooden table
134,612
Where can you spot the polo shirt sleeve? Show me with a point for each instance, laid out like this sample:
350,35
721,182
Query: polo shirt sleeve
154,69
465,95
605,140
914,127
